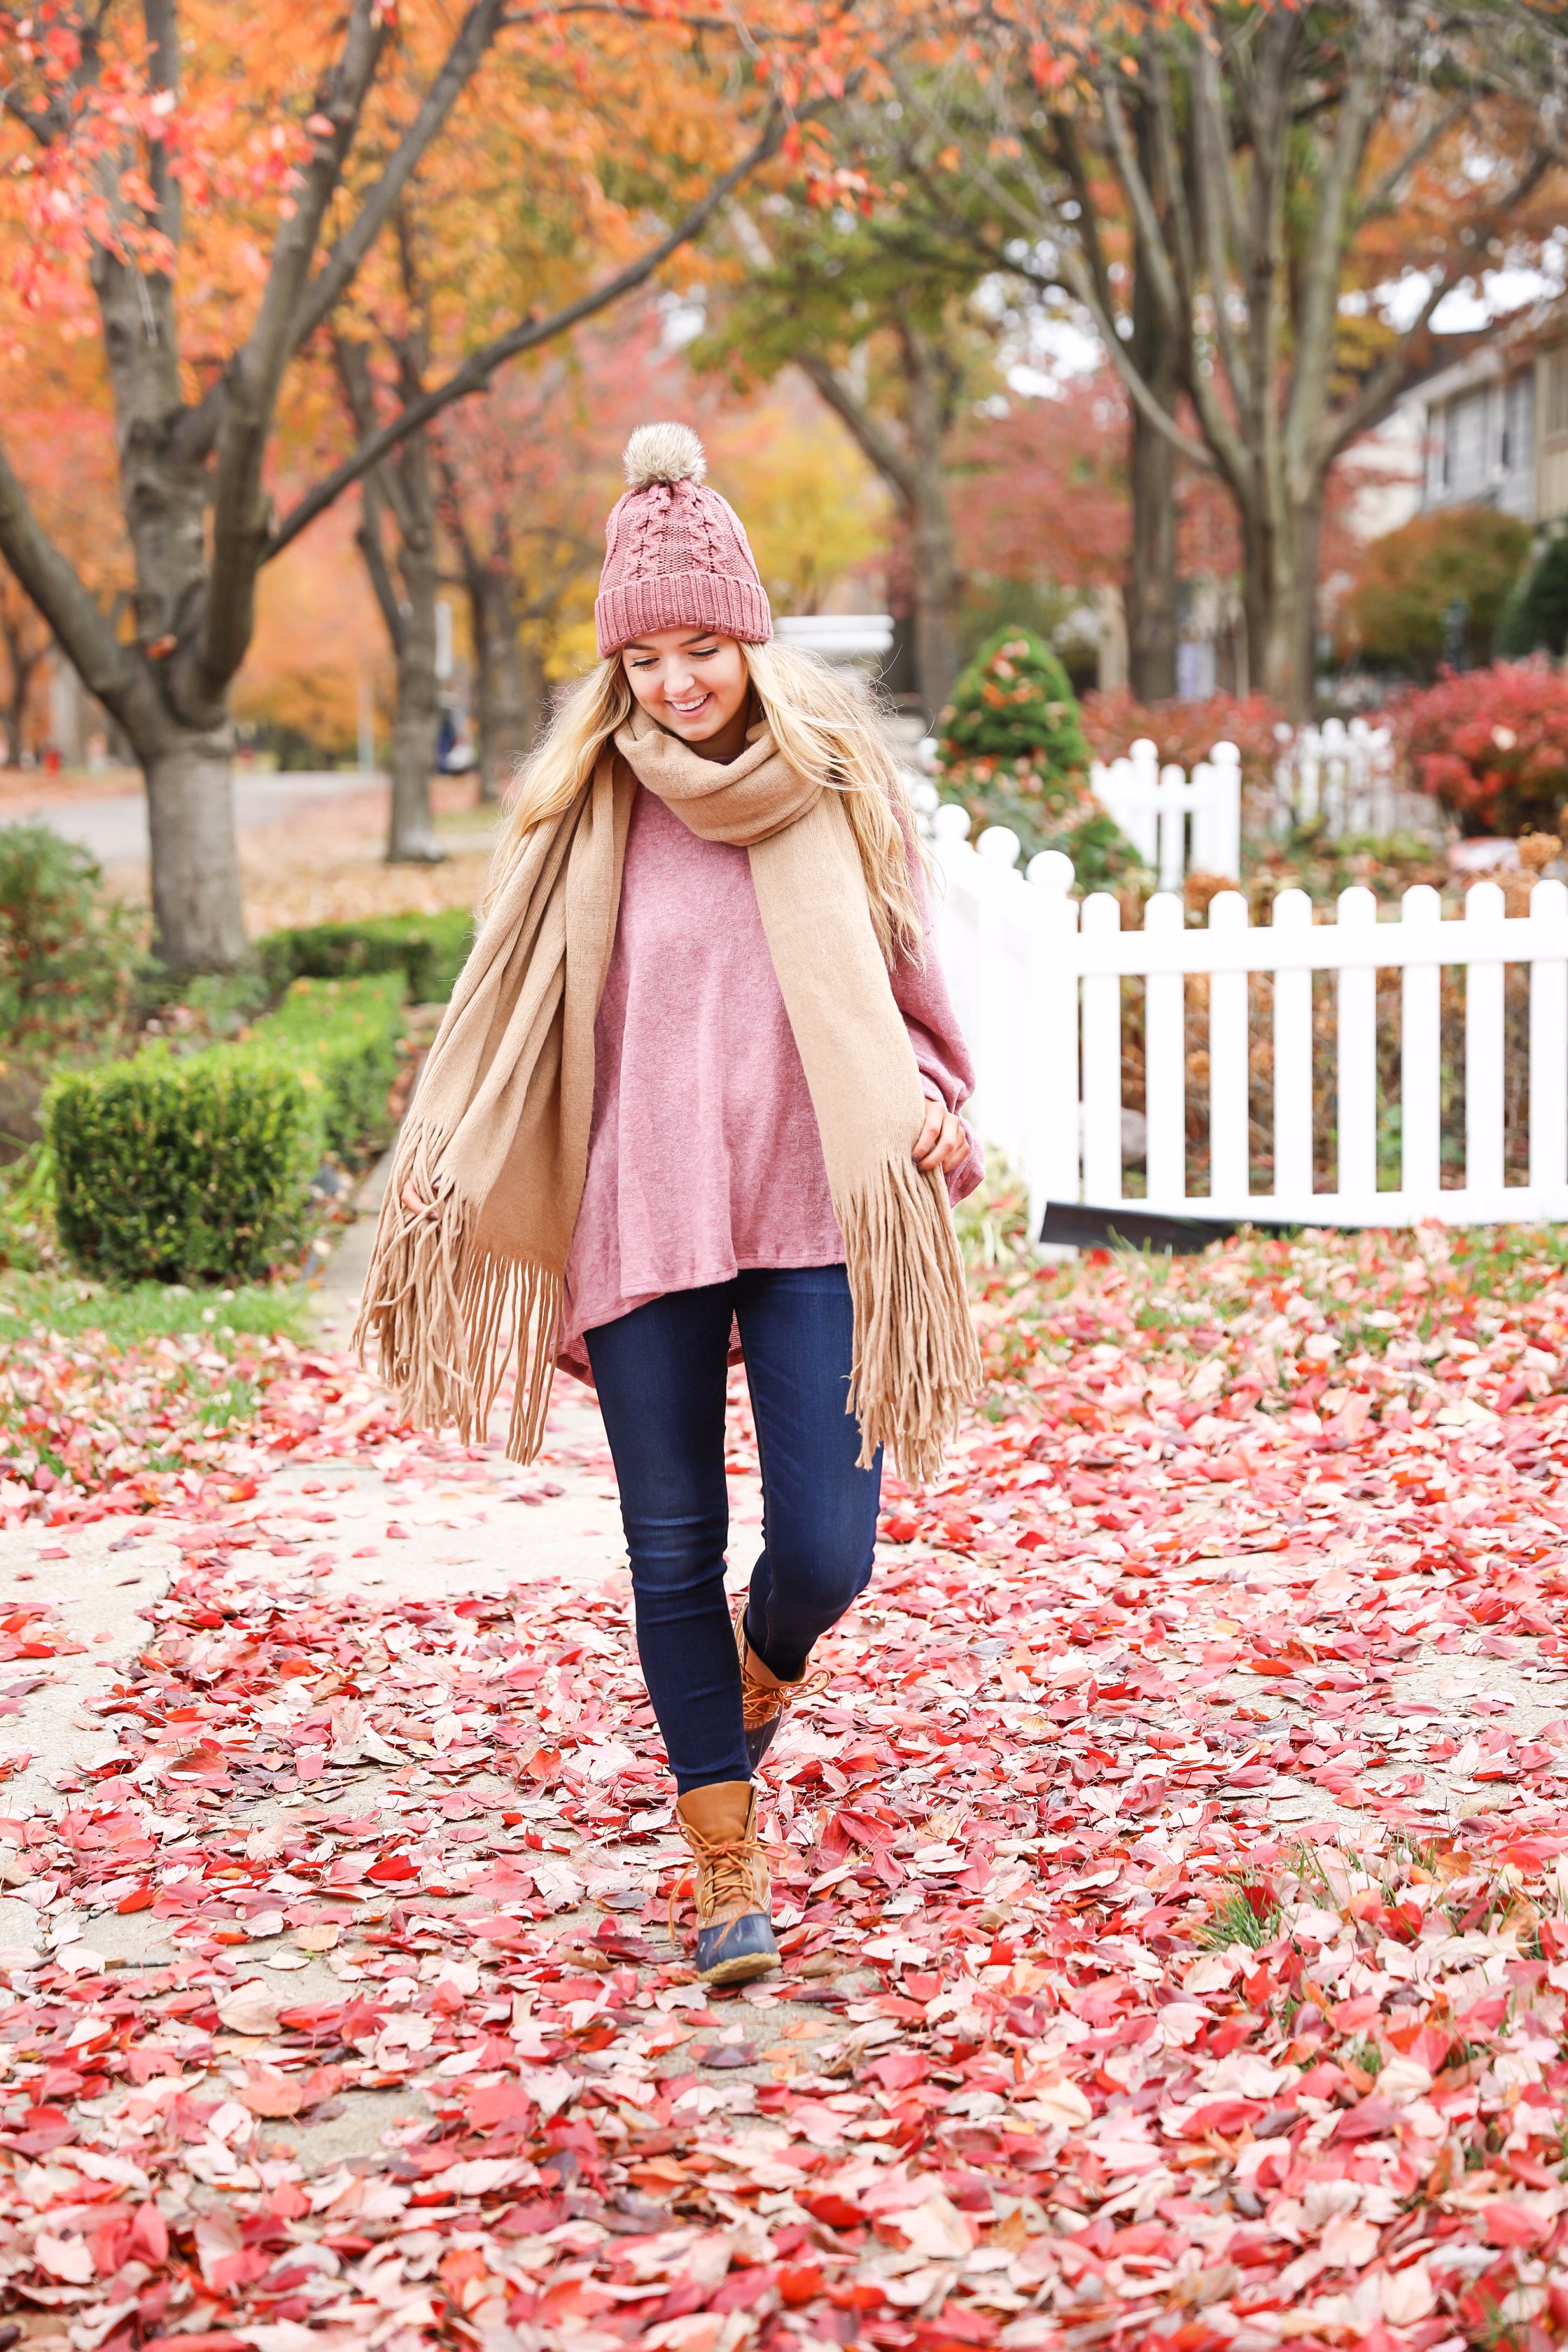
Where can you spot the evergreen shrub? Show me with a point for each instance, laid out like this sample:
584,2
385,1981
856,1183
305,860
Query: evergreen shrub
430,951
196,1167
192,1169
341,1037
1012,750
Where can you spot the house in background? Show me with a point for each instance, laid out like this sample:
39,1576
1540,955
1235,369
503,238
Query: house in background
1495,424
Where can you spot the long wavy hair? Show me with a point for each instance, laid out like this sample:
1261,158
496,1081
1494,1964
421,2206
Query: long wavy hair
827,727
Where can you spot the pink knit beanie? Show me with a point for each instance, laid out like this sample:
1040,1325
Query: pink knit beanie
675,552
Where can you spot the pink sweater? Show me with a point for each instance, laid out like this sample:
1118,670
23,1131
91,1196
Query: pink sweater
704,1156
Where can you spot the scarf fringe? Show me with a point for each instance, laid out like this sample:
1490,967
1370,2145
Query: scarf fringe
917,1360
447,1322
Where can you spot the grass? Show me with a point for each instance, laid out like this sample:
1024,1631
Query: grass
1239,1920
42,1306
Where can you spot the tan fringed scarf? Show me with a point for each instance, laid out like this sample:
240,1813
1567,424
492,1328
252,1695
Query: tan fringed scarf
498,1137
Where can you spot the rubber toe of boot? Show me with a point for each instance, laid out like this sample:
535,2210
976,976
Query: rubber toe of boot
733,1950
759,1741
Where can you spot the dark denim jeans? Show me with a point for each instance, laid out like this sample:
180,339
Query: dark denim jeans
661,1374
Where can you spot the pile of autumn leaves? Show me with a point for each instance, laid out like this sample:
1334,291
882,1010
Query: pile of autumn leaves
1144,1986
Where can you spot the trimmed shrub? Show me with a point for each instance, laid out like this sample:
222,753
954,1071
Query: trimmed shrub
1491,745
182,1170
1396,616
196,1167
341,1037
430,951
1011,750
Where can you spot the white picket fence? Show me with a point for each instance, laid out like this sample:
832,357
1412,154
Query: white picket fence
1153,803
1341,776
1344,777
1037,983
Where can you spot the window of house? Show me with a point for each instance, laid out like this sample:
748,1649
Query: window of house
1466,443
1557,395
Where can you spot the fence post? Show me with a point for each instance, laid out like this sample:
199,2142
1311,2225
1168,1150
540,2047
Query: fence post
1421,1059
1336,783
1166,1064
1484,904
1356,1176
1293,1057
1549,1052
1052,1153
1002,1010
1173,826
957,914
1229,1156
1102,1060
1224,850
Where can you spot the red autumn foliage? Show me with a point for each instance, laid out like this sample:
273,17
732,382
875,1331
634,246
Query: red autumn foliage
1491,744
1187,732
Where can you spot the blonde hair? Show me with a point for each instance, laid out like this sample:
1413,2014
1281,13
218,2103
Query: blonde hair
825,726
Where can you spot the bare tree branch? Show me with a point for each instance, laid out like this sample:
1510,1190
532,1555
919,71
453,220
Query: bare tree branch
477,371
1389,378
337,273
110,670
878,445
239,506
1331,229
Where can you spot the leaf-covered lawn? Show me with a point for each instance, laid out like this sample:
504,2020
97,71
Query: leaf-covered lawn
1175,1933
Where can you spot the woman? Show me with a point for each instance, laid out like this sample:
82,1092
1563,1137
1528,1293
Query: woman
696,1094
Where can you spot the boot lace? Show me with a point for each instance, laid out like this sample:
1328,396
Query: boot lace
761,1701
725,1874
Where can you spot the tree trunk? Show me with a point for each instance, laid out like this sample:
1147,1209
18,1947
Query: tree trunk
503,704
21,667
198,915
14,714
934,549
1281,604
411,839
1150,590
933,562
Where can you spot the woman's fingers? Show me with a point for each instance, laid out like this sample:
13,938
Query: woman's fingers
412,1202
929,1139
942,1141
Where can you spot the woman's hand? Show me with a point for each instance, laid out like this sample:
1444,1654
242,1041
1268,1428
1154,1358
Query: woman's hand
415,1205
942,1141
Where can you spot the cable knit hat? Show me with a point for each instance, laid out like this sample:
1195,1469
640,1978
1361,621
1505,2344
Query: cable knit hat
675,552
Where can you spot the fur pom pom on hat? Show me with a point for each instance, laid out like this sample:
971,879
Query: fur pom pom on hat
676,554
664,453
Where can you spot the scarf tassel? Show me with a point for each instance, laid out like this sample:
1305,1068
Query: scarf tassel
447,1321
917,1360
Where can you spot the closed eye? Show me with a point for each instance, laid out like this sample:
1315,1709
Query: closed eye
693,652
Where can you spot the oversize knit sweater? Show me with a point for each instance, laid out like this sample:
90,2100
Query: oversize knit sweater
704,1158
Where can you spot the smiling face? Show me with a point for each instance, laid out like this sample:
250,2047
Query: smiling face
695,684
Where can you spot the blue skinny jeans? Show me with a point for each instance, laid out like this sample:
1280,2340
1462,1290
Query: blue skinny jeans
661,1374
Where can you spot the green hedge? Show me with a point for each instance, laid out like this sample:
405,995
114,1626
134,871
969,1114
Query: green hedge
342,1037
182,1170
197,1167
428,950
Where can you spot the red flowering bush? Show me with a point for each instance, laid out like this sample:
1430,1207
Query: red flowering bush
1187,732
1491,745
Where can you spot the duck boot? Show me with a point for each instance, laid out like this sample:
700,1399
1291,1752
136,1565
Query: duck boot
764,1700
734,1932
